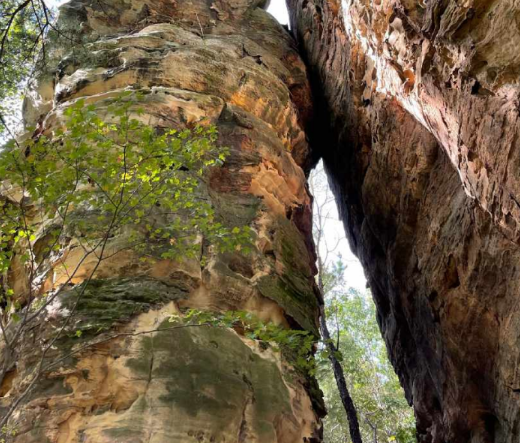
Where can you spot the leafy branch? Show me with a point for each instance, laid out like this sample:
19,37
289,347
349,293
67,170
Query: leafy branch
24,24
100,187
297,345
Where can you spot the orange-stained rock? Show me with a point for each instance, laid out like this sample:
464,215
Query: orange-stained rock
226,63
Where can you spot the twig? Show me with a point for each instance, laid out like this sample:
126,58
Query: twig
20,8
200,26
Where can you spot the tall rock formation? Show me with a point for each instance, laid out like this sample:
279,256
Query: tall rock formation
231,64
419,133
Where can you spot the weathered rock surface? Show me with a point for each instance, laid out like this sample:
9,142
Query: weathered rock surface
230,64
419,132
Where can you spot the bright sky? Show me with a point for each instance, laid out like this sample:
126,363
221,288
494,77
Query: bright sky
334,231
334,241
279,10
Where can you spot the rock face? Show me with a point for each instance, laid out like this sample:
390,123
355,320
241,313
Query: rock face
231,64
419,133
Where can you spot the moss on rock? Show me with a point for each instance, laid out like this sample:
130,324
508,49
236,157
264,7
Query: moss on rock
210,372
292,288
105,303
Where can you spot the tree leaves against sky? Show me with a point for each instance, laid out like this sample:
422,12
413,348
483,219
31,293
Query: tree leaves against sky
384,413
23,26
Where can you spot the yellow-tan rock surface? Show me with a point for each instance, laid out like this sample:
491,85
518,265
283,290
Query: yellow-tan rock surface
227,63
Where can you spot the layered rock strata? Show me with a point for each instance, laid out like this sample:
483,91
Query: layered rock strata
226,63
419,134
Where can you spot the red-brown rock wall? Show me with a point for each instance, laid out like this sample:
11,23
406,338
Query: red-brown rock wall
417,122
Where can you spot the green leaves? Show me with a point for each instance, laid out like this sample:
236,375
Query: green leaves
95,179
372,381
297,345
23,26
7,431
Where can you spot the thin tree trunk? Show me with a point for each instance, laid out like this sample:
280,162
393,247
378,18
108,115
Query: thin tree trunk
339,375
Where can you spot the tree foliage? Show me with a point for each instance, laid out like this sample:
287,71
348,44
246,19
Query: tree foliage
94,178
377,404
23,26
100,186
384,413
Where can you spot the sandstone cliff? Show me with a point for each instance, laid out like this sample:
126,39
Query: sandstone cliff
195,62
417,107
